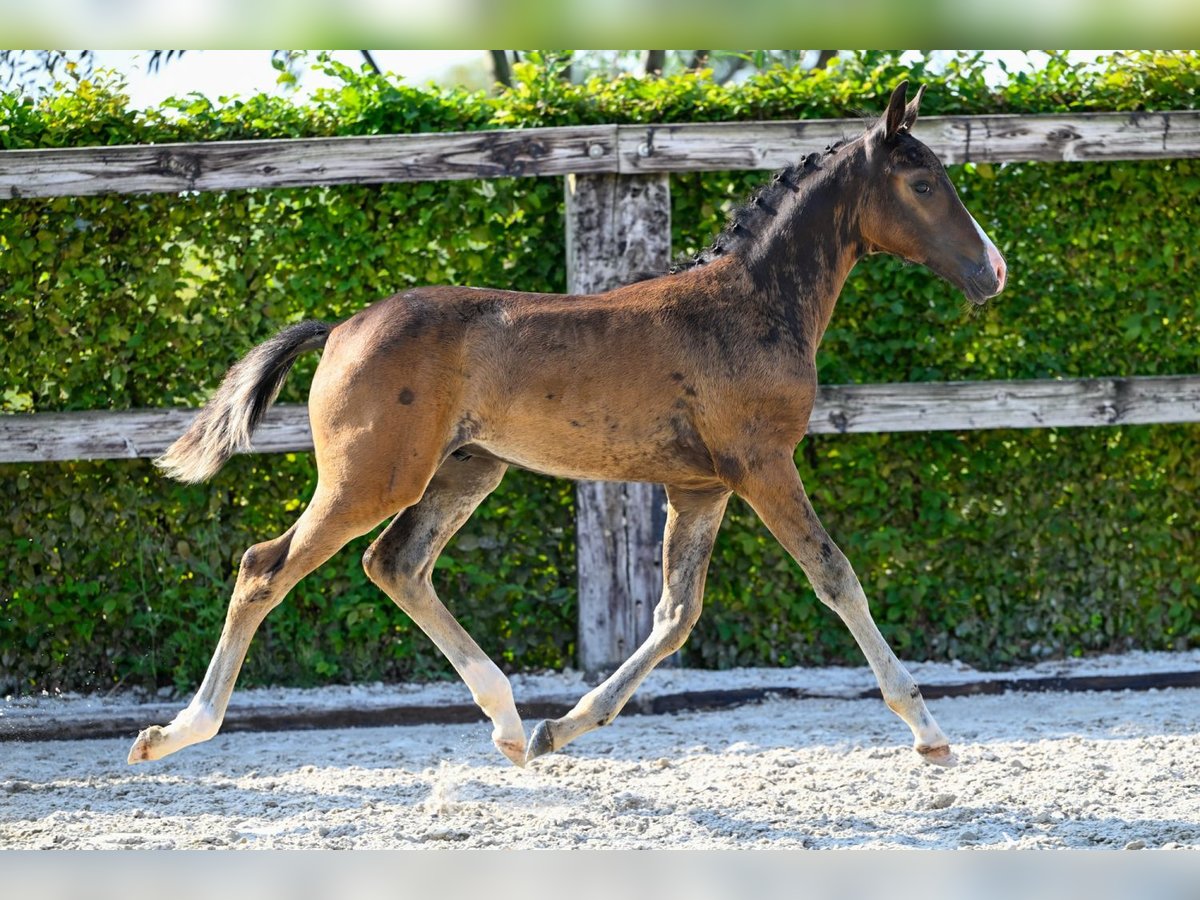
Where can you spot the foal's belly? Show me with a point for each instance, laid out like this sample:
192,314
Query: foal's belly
602,446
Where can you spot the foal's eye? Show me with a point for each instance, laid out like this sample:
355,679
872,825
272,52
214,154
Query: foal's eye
921,187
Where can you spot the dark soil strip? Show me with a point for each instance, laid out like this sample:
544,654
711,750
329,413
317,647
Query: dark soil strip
1062,684
279,718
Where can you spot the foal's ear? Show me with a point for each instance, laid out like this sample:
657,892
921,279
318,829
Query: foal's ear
893,119
910,111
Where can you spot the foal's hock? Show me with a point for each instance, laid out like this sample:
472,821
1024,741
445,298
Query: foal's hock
702,380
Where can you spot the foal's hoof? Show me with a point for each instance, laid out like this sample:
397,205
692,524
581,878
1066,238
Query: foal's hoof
148,746
514,750
540,742
940,755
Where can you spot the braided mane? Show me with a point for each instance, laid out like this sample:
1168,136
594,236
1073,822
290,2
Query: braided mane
745,221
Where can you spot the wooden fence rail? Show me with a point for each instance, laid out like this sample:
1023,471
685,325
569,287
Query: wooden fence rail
840,409
618,211
611,149
1083,137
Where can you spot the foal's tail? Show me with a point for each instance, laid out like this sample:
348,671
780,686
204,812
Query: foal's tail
224,426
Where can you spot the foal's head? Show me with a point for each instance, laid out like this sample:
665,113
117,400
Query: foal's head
912,210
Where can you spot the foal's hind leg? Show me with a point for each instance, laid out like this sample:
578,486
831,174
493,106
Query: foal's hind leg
268,571
401,562
778,496
693,518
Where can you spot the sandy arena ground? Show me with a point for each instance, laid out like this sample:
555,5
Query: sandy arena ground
1111,770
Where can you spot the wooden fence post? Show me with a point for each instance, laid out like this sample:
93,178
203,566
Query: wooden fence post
618,226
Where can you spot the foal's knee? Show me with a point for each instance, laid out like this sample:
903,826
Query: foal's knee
836,584
674,620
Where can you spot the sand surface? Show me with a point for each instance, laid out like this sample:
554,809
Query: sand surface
1113,769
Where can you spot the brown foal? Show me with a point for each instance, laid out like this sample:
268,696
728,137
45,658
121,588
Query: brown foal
702,380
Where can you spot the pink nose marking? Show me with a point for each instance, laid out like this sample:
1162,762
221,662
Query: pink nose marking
995,260
998,266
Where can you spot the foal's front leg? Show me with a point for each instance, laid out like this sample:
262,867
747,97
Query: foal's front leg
777,495
693,518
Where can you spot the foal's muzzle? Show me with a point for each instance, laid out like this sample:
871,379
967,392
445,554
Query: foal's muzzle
988,280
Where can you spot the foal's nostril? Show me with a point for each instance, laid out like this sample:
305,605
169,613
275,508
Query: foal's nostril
998,266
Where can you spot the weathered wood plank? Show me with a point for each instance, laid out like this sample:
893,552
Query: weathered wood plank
711,146
617,227
840,409
1087,137
629,149
970,405
222,165
131,434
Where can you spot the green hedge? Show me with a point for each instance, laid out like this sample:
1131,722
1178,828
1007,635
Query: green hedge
990,546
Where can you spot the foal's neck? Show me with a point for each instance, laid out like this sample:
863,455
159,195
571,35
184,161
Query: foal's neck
798,266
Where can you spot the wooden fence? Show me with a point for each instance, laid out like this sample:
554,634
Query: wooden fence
617,194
